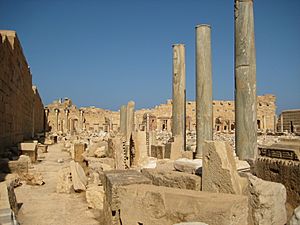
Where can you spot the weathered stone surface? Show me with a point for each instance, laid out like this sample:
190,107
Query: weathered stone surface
286,172
116,150
17,166
191,223
79,149
179,98
43,148
204,106
245,81
12,178
150,204
8,204
129,120
33,178
19,99
295,220
78,177
123,119
173,179
29,149
116,178
94,196
189,165
219,172
100,164
242,166
64,181
100,152
12,197
267,201
157,151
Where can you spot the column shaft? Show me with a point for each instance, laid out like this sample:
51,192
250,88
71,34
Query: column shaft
204,110
245,81
179,98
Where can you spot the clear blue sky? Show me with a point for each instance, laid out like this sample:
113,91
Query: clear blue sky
105,53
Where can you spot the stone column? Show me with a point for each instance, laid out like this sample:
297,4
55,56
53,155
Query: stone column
147,123
275,123
204,107
46,113
123,120
178,106
245,81
66,124
265,123
56,114
281,123
129,120
81,119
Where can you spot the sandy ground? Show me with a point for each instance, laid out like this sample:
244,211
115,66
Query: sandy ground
42,205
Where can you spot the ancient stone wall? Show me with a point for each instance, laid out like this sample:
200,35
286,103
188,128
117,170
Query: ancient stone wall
38,111
289,120
223,114
17,98
160,117
63,116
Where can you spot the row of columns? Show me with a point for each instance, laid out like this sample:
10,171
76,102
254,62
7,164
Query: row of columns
245,85
68,125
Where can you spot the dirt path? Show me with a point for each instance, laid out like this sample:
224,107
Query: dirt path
43,206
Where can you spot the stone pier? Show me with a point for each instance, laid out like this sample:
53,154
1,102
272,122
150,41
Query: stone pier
178,105
66,121
56,116
245,81
129,120
204,109
123,120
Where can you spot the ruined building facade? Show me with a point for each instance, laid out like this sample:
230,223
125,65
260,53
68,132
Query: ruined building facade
289,120
21,107
223,115
64,117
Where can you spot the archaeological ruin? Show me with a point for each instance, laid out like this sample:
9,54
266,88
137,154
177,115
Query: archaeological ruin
192,162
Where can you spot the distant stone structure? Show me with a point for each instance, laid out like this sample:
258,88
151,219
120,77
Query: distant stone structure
65,117
21,107
223,115
289,120
160,117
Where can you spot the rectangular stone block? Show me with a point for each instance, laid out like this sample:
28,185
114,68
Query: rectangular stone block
219,171
116,178
154,205
113,180
79,149
173,179
29,149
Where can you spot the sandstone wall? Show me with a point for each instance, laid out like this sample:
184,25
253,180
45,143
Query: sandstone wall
17,98
223,114
289,120
63,116
38,111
